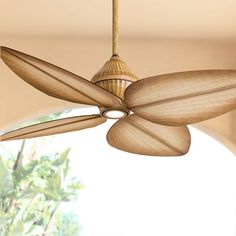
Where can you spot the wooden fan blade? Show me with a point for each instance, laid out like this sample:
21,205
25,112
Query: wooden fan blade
54,127
137,135
57,82
183,98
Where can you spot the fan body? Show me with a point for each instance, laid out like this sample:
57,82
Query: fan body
115,76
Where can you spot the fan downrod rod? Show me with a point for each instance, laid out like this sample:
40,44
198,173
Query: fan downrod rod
115,28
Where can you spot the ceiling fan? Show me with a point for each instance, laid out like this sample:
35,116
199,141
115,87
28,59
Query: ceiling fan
162,105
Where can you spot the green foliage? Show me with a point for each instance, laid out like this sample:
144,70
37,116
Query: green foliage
6,184
65,224
31,195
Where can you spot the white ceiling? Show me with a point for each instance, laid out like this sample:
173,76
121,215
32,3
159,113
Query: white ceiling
149,18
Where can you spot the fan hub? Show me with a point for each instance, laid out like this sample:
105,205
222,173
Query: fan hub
115,77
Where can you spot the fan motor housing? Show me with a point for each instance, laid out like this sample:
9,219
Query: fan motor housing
115,77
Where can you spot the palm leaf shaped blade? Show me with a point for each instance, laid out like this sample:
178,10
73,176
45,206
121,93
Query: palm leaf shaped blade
54,127
57,82
183,98
136,135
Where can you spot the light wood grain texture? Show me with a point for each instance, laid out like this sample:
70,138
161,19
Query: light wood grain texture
55,81
136,135
54,127
184,97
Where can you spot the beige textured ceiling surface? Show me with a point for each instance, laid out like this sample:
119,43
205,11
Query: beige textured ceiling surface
142,18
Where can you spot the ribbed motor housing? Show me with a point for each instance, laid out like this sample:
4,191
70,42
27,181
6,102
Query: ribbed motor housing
114,76
115,86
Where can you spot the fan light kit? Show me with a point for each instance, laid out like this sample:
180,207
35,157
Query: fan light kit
162,105
114,114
